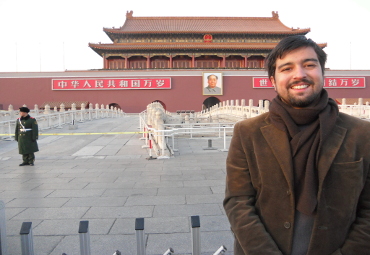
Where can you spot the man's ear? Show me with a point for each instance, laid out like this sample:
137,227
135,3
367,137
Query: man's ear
273,82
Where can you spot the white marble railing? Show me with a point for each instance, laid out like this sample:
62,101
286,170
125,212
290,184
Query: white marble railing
215,122
47,118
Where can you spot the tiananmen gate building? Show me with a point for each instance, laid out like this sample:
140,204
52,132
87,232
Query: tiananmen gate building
171,60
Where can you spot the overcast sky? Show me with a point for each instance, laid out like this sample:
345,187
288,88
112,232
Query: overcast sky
53,35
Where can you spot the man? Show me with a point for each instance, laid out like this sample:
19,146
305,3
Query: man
298,177
26,133
212,88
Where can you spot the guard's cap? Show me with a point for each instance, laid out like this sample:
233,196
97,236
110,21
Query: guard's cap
24,109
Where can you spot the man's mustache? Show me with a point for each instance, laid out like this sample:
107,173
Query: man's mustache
300,81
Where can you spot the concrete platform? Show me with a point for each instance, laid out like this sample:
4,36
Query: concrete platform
107,180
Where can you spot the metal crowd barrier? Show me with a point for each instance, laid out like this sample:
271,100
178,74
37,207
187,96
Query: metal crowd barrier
26,238
84,236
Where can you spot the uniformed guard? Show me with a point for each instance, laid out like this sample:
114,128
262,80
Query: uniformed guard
26,134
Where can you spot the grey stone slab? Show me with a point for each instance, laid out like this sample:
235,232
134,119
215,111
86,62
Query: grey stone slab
159,184
211,241
186,210
203,183
140,179
41,176
182,177
76,174
162,173
163,225
96,201
42,244
13,227
205,199
130,192
159,243
119,173
164,191
9,176
125,226
155,200
37,202
77,193
5,200
18,186
218,189
119,212
214,223
51,213
71,226
61,186
107,152
116,185
11,212
25,193
95,179
49,180
100,244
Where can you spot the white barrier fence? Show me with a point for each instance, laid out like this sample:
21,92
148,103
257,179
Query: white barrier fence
162,127
49,119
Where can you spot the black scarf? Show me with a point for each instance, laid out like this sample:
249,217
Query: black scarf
318,120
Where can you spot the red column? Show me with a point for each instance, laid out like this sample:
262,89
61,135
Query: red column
223,62
192,61
246,62
126,63
148,62
170,62
105,63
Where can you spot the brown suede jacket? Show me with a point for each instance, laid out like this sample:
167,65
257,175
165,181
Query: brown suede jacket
259,199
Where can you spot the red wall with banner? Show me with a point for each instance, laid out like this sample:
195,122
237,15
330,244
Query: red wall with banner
178,90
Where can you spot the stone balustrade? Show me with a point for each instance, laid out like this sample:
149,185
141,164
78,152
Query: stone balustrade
49,118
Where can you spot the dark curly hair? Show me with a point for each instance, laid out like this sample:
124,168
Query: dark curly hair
289,44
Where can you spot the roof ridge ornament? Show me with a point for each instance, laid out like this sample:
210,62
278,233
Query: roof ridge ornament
129,14
275,15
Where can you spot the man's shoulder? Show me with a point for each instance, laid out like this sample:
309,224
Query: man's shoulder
258,121
349,121
354,126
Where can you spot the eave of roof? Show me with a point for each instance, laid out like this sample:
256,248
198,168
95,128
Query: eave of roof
114,31
140,46
122,47
213,25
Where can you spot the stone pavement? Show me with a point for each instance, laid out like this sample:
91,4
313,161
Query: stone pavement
107,180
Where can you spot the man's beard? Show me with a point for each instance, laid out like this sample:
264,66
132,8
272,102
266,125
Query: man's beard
302,102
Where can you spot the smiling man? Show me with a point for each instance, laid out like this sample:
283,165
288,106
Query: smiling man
298,176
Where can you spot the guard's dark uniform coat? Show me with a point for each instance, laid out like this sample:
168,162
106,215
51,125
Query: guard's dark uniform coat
27,140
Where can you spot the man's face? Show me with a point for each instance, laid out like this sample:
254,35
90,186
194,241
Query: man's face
212,81
298,77
23,114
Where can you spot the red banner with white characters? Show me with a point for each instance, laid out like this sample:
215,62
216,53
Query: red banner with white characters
329,82
111,83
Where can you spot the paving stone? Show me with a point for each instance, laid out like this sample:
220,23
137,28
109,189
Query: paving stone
51,213
37,202
119,212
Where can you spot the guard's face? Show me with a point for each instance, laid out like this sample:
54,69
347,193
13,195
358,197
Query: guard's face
298,77
23,114
212,81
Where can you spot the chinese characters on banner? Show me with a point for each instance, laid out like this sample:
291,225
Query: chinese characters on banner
111,83
329,82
